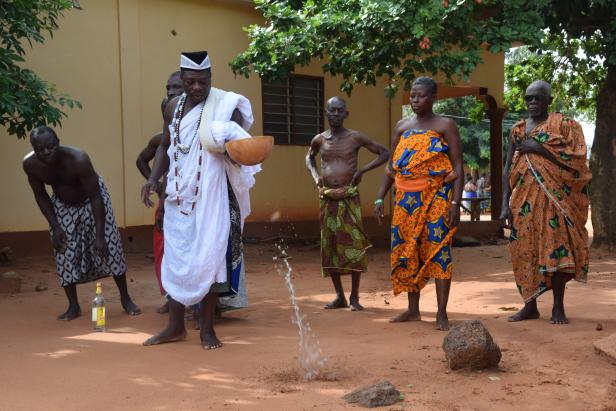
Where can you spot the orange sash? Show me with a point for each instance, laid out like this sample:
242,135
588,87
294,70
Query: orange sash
411,185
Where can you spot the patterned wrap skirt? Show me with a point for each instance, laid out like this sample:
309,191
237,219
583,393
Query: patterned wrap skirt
78,263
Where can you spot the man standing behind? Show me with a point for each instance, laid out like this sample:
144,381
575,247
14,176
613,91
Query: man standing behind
206,198
481,191
481,183
343,241
547,178
174,89
86,241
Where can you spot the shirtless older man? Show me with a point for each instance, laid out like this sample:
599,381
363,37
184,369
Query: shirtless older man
343,241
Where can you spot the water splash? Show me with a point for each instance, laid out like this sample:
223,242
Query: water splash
310,357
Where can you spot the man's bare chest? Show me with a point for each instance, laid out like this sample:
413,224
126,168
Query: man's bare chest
59,178
339,150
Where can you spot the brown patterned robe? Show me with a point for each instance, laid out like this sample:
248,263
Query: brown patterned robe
549,205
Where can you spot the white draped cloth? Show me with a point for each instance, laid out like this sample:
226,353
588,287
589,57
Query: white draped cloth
196,240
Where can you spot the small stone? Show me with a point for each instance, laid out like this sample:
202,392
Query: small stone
41,286
606,347
599,327
465,241
381,394
6,255
470,345
10,283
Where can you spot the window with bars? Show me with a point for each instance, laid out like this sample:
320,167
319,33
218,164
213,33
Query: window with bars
293,109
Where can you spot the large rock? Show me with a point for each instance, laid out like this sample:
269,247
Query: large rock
381,394
470,345
606,347
10,283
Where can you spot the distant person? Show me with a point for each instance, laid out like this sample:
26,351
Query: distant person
487,192
481,183
86,242
174,89
343,241
470,191
545,202
426,169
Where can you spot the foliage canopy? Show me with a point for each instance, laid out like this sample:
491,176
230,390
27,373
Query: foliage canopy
363,40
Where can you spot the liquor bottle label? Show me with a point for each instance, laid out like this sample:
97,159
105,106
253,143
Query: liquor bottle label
100,317
93,314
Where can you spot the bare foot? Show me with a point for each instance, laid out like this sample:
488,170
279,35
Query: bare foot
166,336
209,341
339,302
70,314
442,322
163,309
526,313
406,316
130,307
355,305
558,316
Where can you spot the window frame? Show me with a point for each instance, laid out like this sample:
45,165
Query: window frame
291,134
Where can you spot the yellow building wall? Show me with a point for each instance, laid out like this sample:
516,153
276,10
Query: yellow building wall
115,57
82,60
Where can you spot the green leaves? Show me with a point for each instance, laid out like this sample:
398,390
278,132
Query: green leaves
575,67
569,43
27,101
474,128
363,40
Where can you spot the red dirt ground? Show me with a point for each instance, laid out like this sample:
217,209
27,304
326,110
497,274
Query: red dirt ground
47,364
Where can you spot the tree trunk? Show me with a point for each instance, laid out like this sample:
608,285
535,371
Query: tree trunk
603,166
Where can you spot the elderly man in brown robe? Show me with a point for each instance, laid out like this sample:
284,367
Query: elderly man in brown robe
546,187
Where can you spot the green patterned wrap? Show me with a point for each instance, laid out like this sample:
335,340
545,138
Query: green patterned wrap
343,241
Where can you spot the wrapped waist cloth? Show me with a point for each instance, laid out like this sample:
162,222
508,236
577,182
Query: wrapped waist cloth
77,262
343,240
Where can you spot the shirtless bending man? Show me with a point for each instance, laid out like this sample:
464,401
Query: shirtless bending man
87,244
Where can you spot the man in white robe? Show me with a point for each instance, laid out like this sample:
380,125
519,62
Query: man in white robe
206,198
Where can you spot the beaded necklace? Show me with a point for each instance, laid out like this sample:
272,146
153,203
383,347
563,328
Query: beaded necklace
178,147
